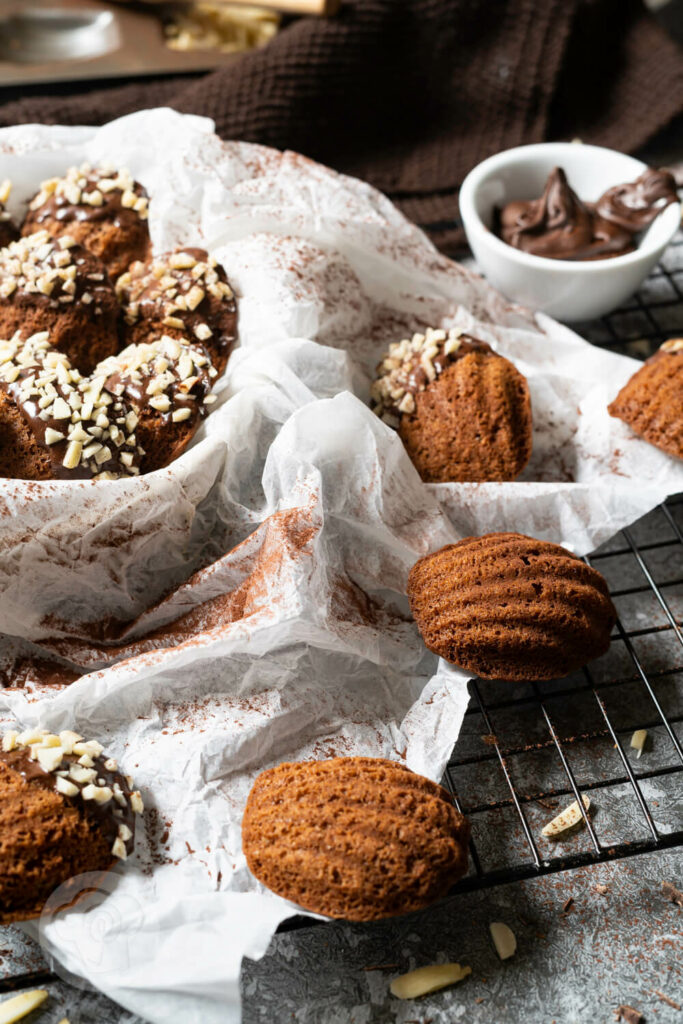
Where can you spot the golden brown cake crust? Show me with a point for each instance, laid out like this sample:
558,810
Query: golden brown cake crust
357,838
463,412
651,402
472,423
506,606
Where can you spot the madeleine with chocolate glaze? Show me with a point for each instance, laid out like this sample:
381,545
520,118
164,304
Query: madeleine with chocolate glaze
506,606
462,411
57,286
9,232
101,208
183,294
357,838
65,809
166,383
56,423
651,402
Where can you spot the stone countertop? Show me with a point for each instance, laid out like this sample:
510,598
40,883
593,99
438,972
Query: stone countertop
620,943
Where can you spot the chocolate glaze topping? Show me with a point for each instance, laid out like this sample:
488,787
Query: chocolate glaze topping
86,430
91,194
559,225
187,291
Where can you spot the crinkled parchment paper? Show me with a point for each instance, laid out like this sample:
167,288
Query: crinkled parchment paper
246,605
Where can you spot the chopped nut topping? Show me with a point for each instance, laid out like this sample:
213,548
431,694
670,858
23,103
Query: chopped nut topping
39,265
409,366
672,346
167,370
71,406
173,288
88,186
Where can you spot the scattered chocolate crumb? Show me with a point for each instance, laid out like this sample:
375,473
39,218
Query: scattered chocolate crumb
628,1014
672,893
666,999
381,967
549,805
479,999
489,739
603,890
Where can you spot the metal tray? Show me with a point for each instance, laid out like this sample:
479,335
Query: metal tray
71,40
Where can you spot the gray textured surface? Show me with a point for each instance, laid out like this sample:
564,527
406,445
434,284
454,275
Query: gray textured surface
572,968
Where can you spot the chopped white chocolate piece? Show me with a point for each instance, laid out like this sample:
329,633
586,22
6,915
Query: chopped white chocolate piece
67,738
136,802
9,740
66,787
119,849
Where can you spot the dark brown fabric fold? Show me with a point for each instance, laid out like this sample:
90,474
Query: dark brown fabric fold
411,94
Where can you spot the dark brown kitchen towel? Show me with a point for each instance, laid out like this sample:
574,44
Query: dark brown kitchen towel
410,94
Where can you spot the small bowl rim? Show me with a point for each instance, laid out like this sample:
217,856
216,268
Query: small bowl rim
471,219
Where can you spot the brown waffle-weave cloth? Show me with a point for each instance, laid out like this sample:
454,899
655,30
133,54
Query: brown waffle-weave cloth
411,94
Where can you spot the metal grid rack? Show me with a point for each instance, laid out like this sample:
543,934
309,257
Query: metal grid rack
526,752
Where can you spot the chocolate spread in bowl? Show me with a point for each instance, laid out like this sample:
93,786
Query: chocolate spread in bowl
560,226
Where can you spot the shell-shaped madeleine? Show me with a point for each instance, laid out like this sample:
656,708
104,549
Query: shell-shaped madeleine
473,422
506,606
357,838
651,402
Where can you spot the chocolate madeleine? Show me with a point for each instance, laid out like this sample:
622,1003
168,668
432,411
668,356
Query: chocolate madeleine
65,809
462,411
651,402
358,838
101,208
506,606
57,286
183,294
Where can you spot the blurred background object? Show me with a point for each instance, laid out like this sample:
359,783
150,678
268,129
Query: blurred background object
407,94
71,40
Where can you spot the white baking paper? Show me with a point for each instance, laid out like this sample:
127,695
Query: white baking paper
246,605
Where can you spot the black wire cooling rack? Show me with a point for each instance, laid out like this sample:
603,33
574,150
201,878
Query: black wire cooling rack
526,752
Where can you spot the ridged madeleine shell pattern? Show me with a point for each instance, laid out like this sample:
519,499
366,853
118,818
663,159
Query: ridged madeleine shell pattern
357,838
651,402
472,423
506,606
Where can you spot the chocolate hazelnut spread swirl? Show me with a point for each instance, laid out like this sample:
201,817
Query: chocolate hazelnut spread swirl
560,225
79,771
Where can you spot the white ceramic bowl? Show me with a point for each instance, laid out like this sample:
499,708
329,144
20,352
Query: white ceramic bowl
566,289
